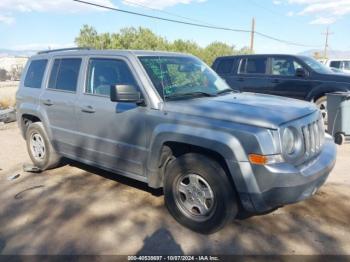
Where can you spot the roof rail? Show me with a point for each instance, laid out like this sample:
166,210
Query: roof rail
63,49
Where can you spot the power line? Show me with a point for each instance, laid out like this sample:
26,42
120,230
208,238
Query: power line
167,13
162,18
192,24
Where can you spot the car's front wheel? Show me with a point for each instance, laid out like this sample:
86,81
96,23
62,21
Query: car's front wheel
40,150
199,194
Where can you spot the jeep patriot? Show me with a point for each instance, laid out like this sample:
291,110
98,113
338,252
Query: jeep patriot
170,121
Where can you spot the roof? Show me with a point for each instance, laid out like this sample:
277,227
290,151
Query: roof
88,51
262,55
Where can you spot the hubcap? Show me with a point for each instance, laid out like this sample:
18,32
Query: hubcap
323,108
194,197
37,146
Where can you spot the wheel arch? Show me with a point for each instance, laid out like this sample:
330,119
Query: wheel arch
322,90
171,141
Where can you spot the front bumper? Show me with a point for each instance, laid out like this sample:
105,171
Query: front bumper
281,184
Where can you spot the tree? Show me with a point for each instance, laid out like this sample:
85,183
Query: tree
15,72
87,37
3,75
144,39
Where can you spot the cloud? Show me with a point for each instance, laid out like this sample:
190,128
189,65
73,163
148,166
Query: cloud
13,6
290,13
277,2
322,11
159,4
7,19
323,21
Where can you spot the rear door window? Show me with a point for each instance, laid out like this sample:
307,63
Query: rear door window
64,74
225,66
35,73
253,65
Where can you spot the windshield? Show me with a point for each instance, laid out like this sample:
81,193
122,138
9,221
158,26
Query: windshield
182,77
317,66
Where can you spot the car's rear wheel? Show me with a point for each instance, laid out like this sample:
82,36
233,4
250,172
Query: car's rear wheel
322,105
199,194
40,150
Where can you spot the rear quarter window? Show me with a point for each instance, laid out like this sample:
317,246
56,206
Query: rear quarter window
35,73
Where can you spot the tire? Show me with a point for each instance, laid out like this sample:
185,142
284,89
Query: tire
322,105
40,150
339,138
212,181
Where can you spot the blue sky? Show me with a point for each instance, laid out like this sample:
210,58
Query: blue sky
38,24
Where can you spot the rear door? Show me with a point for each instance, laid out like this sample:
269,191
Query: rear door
283,78
252,74
58,102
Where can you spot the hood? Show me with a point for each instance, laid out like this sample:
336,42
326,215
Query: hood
245,108
341,78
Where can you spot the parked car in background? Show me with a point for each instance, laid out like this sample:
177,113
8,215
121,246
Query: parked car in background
168,120
343,65
292,76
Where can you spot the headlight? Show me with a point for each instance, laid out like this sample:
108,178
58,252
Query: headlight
289,141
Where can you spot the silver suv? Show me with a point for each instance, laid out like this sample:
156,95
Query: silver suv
168,120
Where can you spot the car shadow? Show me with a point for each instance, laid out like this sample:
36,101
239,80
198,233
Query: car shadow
115,177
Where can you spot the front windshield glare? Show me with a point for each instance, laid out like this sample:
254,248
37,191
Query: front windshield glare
182,77
317,66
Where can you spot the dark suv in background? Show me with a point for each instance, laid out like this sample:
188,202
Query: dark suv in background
292,76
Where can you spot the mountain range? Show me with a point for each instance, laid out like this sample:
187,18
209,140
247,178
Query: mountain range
21,53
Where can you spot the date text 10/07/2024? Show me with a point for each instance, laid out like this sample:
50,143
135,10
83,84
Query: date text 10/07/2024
173,258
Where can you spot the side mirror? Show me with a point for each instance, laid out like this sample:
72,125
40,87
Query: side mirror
125,93
300,72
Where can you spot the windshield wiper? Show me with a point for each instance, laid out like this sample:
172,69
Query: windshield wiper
227,90
191,94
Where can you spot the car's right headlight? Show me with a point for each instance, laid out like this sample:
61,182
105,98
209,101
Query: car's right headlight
288,141
291,142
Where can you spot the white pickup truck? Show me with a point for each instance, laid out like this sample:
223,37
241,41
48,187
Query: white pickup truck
343,65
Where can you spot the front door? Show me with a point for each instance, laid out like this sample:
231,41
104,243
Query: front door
111,134
285,82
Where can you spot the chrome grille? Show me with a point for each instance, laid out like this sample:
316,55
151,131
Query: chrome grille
313,135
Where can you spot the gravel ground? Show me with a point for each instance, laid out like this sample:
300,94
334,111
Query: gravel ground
77,209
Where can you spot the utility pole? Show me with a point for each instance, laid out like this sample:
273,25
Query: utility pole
252,36
326,43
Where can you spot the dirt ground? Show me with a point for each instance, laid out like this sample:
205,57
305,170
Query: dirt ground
78,209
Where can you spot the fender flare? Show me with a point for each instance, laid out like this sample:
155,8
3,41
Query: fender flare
321,90
29,109
228,146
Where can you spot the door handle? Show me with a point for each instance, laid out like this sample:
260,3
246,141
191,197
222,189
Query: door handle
48,102
275,81
240,79
88,109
